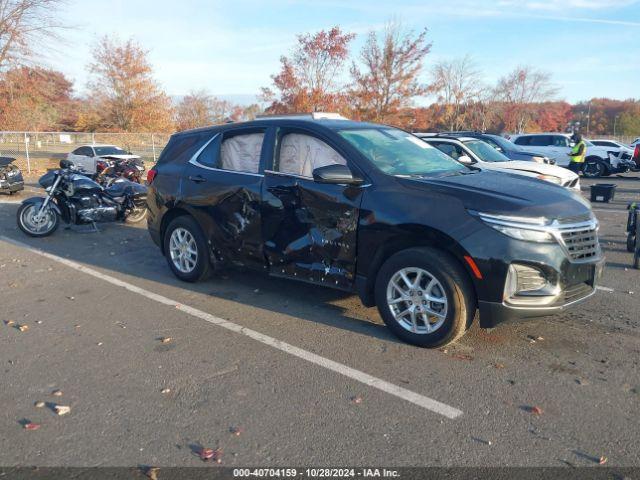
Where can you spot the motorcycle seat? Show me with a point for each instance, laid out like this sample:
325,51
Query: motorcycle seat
120,188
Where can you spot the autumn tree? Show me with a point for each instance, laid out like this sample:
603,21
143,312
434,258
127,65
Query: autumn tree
123,90
35,98
25,24
386,80
457,86
199,109
309,80
518,91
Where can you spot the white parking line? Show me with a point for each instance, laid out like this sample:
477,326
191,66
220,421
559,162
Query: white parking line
413,397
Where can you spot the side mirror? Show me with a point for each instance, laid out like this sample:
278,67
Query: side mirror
465,159
572,144
66,164
335,174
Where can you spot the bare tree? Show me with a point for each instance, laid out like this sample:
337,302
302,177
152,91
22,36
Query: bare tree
458,87
25,24
387,80
518,90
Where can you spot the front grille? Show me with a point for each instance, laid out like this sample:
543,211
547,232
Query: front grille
581,242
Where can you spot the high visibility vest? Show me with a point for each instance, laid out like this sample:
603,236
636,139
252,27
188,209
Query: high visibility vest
576,149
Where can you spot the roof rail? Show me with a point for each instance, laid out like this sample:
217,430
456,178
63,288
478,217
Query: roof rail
312,116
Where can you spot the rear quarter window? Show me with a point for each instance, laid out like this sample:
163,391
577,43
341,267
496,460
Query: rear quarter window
182,147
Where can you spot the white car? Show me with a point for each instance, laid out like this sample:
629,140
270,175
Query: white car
470,150
87,156
612,145
597,162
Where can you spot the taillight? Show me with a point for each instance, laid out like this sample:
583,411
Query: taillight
636,154
151,174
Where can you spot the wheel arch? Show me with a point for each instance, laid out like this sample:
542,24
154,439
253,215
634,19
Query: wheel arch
405,240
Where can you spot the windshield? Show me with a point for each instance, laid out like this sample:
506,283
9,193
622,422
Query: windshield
502,142
399,153
109,151
485,152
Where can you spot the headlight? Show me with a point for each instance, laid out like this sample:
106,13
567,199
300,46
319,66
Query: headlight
551,178
521,228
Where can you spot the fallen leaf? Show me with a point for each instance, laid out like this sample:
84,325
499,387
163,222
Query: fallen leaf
602,460
462,356
31,426
237,431
165,339
99,344
57,393
165,390
23,328
39,404
498,365
535,410
211,454
356,399
9,322
152,473
62,409
71,298
39,322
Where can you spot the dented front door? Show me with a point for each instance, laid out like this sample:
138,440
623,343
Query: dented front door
310,229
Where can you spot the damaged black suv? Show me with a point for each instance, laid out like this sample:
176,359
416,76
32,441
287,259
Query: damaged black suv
372,209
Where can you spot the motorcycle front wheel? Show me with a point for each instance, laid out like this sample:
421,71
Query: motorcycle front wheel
136,215
34,226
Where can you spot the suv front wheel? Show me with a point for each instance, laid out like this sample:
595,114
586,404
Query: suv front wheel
186,250
425,297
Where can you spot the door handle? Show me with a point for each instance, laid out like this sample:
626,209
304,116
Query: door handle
197,179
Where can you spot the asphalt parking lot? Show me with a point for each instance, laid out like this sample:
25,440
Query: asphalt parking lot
272,372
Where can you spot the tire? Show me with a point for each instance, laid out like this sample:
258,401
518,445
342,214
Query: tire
25,222
631,243
196,268
452,284
136,216
594,169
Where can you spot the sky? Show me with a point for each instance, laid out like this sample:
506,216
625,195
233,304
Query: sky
230,48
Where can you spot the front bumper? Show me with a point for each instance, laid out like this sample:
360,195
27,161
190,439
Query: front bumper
577,286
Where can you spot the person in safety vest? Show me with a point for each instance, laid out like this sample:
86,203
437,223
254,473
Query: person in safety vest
577,154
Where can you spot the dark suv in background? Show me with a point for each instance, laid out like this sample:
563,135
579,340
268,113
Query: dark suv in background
372,209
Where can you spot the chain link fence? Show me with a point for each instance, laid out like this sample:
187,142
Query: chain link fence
38,151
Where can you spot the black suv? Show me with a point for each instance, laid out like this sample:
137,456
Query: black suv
372,209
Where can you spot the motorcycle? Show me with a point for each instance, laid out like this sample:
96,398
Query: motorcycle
11,180
78,200
131,169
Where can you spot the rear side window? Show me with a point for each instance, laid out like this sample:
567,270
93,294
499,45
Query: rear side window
234,151
300,154
241,153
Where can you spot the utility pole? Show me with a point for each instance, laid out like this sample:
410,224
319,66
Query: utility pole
615,120
588,119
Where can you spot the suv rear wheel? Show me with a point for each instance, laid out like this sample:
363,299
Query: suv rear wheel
425,297
186,250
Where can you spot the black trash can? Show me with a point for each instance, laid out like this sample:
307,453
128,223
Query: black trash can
603,192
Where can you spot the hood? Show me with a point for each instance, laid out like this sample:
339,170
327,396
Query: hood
6,161
121,156
535,169
506,194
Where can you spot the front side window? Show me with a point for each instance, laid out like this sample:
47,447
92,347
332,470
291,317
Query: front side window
300,154
522,141
399,153
560,141
541,141
454,151
485,152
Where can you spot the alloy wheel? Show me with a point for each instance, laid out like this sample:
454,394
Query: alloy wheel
183,250
417,300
